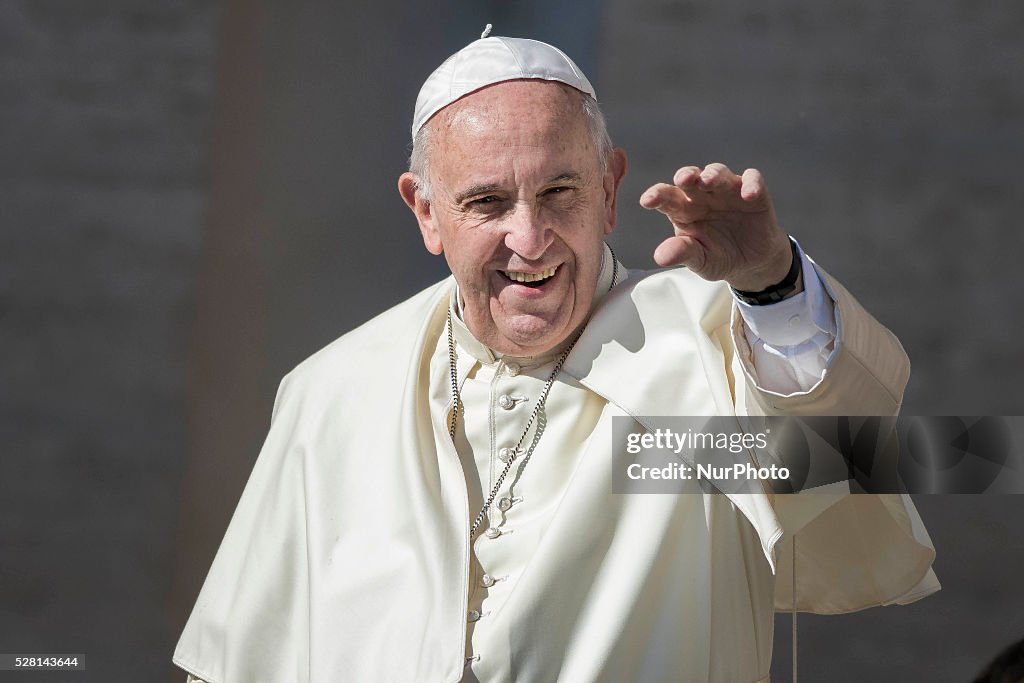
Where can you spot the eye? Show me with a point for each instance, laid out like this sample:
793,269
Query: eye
558,189
487,203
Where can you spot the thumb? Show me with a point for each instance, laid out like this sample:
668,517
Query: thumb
681,250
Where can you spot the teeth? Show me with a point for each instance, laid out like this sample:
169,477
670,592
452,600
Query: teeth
530,277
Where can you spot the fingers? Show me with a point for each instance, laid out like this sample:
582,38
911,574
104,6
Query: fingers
752,185
717,177
687,176
666,198
716,216
715,186
711,179
693,192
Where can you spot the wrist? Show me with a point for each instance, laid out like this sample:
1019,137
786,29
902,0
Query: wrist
790,284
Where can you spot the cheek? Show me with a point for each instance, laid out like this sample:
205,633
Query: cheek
470,260
583,214
464,246
570,207
586,238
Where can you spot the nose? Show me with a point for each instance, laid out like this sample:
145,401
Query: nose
525,234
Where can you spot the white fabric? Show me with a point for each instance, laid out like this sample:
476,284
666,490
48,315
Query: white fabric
794,339
607,586
493,60
347,558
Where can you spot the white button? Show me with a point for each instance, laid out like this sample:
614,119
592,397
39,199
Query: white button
794,320
506,402
513,369
492,532
487,581
504,504
474,615
505,454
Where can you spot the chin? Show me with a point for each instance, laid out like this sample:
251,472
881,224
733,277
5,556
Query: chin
535,335
531,339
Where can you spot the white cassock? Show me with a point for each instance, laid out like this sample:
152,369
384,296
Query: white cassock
348,556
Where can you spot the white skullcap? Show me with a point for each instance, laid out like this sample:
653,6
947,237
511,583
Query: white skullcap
492,60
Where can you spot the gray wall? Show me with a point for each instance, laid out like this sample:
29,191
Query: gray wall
104,123
198,194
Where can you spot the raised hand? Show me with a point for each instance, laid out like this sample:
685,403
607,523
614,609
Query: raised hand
725,226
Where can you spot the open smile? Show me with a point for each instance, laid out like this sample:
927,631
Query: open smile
533,280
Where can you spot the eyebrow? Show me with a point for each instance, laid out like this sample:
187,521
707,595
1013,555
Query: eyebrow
571,177
476,190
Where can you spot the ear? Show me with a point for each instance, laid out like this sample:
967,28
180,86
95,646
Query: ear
617,166
408,187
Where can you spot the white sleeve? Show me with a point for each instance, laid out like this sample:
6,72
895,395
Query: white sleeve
793,339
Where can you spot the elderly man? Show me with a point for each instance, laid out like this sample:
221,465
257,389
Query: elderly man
434,500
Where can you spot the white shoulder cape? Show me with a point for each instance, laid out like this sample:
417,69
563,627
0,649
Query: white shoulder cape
350,461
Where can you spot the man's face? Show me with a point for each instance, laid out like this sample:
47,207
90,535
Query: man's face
520,208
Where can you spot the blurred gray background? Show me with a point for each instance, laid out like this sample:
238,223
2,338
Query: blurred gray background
197,194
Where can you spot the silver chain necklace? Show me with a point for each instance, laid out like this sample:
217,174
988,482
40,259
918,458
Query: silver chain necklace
457,407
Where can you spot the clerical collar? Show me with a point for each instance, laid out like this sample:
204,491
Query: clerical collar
610,268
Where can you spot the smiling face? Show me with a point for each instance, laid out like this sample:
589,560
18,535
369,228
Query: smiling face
520,205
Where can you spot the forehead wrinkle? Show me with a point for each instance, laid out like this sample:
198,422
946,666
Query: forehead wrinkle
487,127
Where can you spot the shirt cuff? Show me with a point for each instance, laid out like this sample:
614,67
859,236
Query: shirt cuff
792,321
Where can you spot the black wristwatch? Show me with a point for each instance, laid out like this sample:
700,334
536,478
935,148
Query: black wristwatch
778,291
